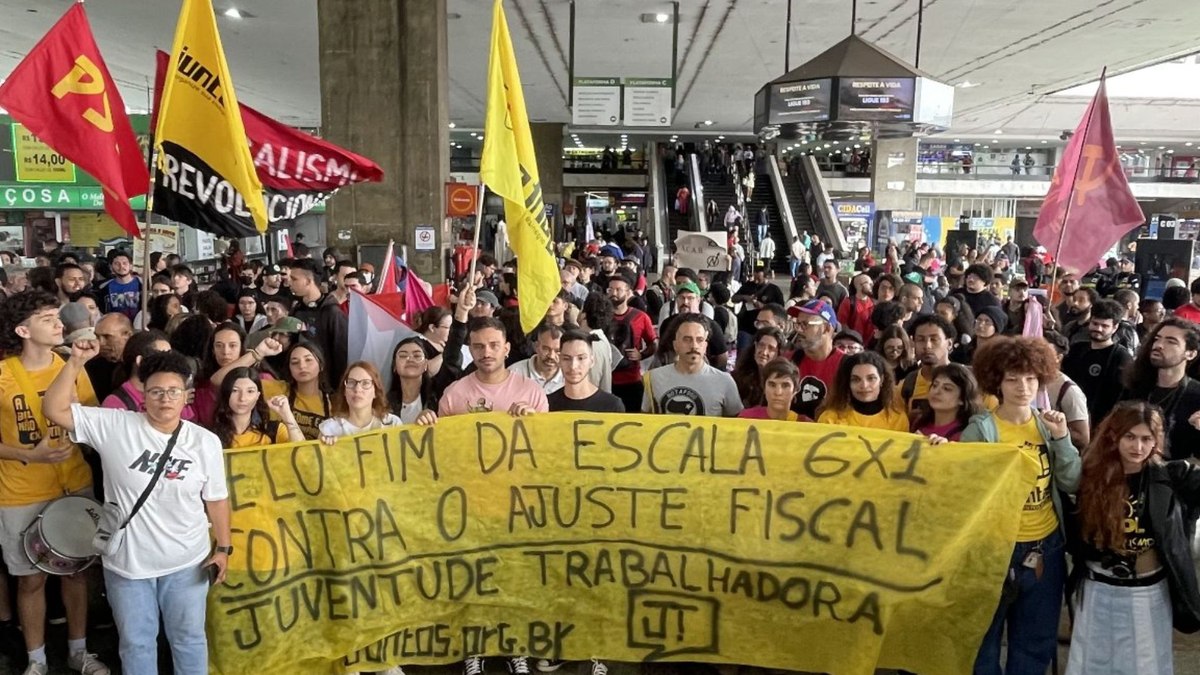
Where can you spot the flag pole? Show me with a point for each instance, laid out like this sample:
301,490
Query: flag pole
478,227
147,273
1062,230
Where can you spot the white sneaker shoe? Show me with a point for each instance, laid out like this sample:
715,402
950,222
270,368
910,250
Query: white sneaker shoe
35,668
86,664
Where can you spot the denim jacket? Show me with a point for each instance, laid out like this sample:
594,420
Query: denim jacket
1065,463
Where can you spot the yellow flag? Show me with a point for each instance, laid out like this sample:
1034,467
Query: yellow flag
205,175
509,168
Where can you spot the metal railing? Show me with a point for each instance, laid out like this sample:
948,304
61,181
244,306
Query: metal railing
697,193
820,207
781,200
1043,172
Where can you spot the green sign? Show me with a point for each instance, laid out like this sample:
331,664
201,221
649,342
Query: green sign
646,81
597,82
57,198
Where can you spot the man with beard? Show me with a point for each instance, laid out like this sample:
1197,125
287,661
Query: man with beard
688,301
817,360
633,334
1159,375
578,391
272,282
1065,310
123,292
491,386
690,386
1096,365
933,338
543,366
1080,302
71,282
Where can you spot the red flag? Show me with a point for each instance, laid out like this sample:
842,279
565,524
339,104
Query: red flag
417,297
62,92
1089,206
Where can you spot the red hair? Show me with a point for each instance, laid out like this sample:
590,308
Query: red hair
379,406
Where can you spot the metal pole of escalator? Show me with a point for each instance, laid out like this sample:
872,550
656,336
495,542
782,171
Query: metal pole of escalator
571,57
674,52
787,41
920,25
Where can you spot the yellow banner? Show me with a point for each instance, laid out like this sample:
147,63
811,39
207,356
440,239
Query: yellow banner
37,162
628,538
508,167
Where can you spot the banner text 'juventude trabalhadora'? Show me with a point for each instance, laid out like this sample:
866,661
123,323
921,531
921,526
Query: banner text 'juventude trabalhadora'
622,537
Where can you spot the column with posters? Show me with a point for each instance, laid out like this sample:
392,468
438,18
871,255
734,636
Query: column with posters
857,220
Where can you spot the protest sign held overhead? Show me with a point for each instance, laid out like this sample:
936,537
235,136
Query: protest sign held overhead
205,175
627,538
63,93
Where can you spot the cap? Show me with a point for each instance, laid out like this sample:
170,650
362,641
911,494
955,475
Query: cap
1175,282
1018,282
272,269
687,287
996,315
288,324
816,308
487,297
613,251
849,333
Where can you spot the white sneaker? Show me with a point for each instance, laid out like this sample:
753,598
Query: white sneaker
35,668
473,665
86,664
518,665
598,667
394,670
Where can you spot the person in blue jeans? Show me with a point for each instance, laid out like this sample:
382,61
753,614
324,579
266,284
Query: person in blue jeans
1013,369
166,563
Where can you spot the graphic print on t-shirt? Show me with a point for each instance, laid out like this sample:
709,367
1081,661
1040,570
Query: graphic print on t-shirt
681,401
481,406
28,430
147,463
812,394
1040,494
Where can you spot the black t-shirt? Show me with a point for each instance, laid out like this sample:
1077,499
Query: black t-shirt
1098,374
1178,404
599,402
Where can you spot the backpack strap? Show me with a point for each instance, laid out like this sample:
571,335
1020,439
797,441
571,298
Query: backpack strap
127,400
910,386
1062,391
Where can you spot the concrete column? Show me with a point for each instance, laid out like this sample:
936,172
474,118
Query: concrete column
894,174
384,75
548,149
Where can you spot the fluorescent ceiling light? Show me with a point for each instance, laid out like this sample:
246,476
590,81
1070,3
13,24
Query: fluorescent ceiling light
708,123
662,17
452,125
967,84
233,13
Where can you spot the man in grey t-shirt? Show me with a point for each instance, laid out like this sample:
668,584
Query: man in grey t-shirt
690,386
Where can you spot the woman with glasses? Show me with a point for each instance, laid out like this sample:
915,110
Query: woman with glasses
360,404
434,325
897,351
242,419
302,386
412,396
748,373
1135,562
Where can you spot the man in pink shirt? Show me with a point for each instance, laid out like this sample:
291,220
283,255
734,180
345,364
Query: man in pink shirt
492,386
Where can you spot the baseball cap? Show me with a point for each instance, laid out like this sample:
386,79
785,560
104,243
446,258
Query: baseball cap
849,333
487,297
272,269
816,308
688,287
612,250
288,324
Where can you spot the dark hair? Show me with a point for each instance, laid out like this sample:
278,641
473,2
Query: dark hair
577,335
771,295
979,270
840,396
776,309
17,310
1172,298
300,251
306,265
1108,309
1057,340
139,345
283,299
546,327
892,279
317,354
964,318
158,310
210,304
1140,376
344,262
183,270
1093,296
208,362
120,253
886,314
1195,287
332,252
395,393
598,312
943,325
155,256
164,362
780,367
797,286
718,293
42,279
62,268
746,373
479,323
1126,296
223,417
970,403
192,336
1003,355
432,316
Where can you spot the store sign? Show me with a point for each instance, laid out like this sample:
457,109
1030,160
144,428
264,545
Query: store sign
596,101
58,197
876,99
35,162
461,199
797,102
648,101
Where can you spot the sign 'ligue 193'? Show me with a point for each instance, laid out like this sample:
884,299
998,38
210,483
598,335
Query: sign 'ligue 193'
628,538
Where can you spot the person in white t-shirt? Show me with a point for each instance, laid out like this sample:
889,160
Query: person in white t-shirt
360,404
163,568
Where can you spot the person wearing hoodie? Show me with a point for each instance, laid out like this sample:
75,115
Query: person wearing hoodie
990,323
1013,369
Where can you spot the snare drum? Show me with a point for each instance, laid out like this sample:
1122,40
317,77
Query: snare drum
59,541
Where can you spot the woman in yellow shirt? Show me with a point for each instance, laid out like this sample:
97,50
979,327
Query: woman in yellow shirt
862,395
302,387
242,420
1013,369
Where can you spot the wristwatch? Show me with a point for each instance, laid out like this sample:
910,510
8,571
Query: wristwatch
227,550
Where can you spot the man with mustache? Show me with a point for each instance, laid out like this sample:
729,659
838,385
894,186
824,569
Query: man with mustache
1159,375
71,281
543,366
690,386
491,386
1096,365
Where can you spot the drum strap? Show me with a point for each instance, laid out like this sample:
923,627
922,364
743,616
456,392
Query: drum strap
30,392
158,470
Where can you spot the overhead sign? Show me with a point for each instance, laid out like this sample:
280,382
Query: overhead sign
597,101
36,163
797,102
618,537
58,197
461,199
876,99
648,101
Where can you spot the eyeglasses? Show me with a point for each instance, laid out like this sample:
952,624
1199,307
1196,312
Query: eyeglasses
363,384
160,394
404,356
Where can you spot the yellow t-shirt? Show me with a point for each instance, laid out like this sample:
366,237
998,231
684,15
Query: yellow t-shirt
309,411
251,438
20,483
889,419
919,402
1038,519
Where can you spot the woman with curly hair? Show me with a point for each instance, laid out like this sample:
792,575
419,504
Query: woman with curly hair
862,395
1013,369
1137,573
748,373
